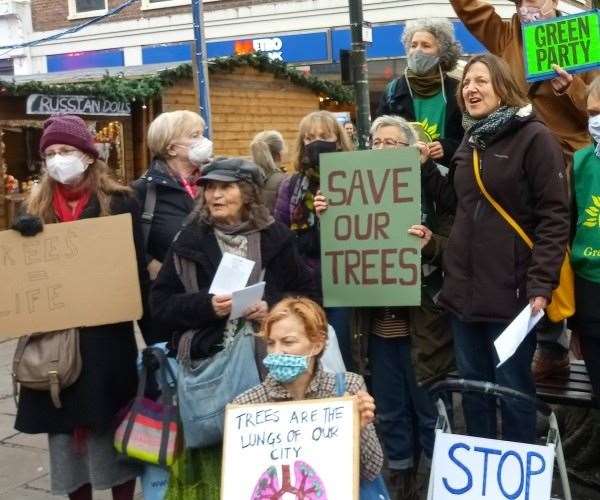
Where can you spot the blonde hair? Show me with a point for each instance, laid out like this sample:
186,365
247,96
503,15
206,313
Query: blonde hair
329,124
167,127
265,146
96,177
307,311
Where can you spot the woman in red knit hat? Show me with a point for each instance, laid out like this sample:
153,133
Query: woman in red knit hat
76,185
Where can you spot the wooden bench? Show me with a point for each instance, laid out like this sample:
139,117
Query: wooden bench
573,390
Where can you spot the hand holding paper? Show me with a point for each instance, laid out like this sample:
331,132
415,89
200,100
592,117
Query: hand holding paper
510,339
242,300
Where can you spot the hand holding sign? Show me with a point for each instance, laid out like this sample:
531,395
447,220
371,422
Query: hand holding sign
563,81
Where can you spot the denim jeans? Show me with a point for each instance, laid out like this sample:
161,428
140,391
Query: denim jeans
405,412
339,319
476,359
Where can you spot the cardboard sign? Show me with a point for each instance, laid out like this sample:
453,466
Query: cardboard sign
469,468
572,42
310,445
367,256
73,274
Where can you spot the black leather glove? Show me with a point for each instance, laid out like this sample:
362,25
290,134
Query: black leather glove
28,225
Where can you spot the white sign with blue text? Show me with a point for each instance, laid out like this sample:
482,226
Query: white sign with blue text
470,468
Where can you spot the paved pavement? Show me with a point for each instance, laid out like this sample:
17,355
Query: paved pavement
23,457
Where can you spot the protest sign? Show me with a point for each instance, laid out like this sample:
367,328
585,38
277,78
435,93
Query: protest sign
470,468
81,273
310,448
572,42
367,256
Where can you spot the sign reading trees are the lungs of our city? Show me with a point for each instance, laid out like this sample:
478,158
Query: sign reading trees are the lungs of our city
571,42
367,256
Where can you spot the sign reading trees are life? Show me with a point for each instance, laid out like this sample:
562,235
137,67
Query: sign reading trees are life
81,273
301,449
367,256
571,42
470,468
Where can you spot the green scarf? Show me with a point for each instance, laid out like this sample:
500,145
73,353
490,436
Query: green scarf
424,85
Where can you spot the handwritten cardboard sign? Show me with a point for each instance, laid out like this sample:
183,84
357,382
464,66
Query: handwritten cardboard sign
572,42
470,468
81,273
367,256
309,446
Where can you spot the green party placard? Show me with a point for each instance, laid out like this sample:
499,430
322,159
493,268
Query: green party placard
367,256
572,42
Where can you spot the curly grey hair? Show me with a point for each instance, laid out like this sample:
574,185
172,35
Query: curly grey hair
443,32
395,121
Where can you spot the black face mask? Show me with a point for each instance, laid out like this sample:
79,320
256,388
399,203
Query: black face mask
314,149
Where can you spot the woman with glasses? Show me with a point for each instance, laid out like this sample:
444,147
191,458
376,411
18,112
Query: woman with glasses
405,346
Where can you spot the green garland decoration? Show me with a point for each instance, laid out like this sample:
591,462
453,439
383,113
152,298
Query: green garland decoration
119,88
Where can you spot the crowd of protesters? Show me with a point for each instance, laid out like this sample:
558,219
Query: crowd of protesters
533,148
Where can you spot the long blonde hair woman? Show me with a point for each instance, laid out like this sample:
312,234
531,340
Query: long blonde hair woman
76,185
268,148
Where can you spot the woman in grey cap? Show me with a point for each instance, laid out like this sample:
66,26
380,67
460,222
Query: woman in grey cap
425,93
229,217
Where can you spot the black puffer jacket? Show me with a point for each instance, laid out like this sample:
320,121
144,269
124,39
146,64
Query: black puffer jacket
108,378
173,205
177,311
490,273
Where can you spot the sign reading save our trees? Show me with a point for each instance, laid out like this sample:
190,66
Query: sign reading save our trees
367,256
571,42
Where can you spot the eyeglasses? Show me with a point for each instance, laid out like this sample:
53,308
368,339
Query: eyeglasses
60,152
387,143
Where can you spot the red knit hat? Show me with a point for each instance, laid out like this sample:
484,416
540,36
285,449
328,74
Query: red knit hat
68,129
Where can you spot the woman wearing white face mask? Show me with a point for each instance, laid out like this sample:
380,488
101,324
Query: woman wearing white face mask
77,185
168,189
425,93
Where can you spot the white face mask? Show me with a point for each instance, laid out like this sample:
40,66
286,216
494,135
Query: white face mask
200,151
66,169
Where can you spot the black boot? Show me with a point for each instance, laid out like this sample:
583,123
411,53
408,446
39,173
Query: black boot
402,484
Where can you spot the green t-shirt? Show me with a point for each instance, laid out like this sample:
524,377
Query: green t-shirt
585,253
431,113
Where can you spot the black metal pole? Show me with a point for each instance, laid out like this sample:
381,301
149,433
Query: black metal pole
200,66
360,73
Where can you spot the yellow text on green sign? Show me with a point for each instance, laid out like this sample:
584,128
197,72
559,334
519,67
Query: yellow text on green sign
571,42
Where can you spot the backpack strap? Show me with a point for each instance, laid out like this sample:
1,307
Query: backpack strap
340,384
148,212
390,91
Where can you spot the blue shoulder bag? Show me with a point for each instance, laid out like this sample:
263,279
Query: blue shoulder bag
369,490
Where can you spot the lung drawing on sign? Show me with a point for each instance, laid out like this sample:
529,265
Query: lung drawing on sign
307,486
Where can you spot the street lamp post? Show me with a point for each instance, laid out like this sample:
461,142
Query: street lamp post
360,73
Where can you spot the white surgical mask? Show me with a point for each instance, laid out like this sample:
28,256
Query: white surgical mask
200,151
66,169
594,128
